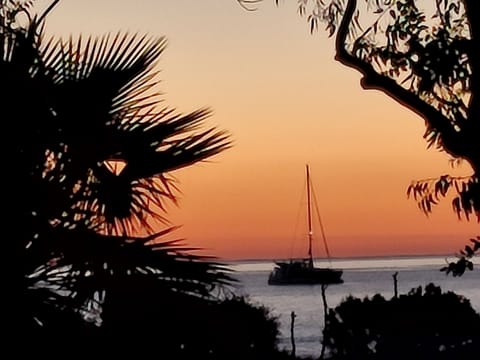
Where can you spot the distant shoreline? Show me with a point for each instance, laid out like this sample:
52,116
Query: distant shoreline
343,258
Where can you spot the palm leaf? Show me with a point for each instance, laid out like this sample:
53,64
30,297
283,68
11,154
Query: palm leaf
150,151
86,262
114,77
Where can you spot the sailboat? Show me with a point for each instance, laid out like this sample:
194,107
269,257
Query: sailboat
303,271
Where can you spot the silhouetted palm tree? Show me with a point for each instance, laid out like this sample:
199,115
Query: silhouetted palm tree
87,155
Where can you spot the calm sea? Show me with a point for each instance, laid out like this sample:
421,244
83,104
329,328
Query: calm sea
362,277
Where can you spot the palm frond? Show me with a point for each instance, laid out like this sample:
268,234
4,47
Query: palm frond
92,79
114,77
150,149
87,262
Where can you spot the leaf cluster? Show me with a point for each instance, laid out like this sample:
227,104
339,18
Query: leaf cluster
466,201
464,259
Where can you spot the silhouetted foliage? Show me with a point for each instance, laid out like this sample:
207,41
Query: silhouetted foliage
191,328
88,160
88,151
168,325
464,262
424,55
423,324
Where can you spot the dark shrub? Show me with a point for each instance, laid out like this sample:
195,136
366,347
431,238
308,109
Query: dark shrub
423,324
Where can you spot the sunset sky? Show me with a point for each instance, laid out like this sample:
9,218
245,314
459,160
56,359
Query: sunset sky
286,102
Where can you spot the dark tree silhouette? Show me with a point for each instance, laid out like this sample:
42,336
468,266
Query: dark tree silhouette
423,324
424,55
88,151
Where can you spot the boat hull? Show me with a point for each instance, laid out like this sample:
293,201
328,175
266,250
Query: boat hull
299,274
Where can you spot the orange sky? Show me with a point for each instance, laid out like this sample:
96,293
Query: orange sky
286,102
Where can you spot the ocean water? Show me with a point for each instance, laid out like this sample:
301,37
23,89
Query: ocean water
362,277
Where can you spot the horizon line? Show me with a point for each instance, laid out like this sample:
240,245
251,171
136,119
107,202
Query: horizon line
344,257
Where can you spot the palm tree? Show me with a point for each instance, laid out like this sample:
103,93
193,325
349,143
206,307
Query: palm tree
88,155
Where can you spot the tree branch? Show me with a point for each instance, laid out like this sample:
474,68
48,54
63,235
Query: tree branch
472,10
373,80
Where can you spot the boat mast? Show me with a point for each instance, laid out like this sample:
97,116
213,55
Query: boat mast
310,233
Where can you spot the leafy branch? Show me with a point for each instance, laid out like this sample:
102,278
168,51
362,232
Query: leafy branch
428,192
464,262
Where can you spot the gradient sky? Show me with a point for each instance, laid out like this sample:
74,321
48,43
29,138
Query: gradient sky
286,102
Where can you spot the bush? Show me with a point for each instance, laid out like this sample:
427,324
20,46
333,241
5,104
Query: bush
423,324
185,327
